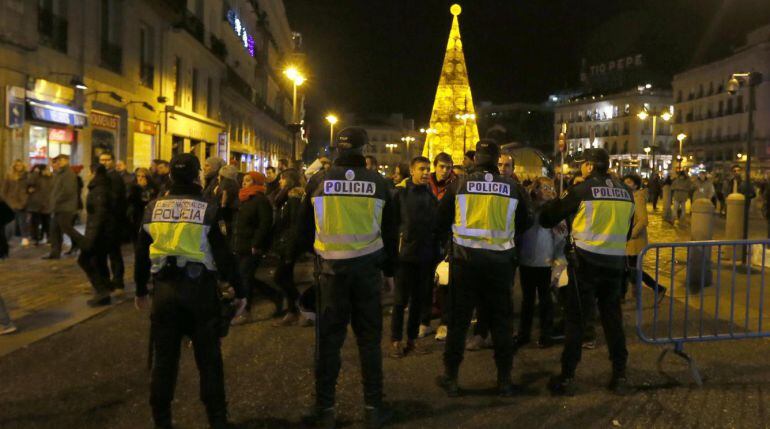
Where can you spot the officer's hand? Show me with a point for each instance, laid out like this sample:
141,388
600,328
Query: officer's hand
390,285
142,303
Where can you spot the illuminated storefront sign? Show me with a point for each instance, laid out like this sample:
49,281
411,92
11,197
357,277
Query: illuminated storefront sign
240,30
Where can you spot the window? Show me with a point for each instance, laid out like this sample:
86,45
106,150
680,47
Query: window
146,57
111,30
625,146
209,97
52,24
739,104
625,129
729,106
177,73
195,90
679,96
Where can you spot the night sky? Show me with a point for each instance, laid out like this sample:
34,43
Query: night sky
384,56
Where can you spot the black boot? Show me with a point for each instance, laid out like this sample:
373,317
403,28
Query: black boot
560,385
376,417
619,384
506,388
322,418
449,385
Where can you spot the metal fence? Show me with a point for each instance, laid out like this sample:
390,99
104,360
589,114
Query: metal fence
715,291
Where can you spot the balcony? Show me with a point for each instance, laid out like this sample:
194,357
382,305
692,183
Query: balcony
111,57
237,83
218,48
52,30
192,24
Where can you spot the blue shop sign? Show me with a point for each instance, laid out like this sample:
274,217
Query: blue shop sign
56,113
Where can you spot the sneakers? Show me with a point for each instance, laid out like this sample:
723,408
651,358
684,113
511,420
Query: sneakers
396,351
376,417
8,329
475,343
589,345
288,320
322,418
560,385
441,333
412,349
425,330
448,385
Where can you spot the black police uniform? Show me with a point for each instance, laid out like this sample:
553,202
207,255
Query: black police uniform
481,277
349,289
597,276
185,296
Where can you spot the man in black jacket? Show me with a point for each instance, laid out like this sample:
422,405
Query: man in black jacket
414,209
119,210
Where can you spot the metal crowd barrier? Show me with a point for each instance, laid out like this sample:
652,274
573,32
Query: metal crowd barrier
715,292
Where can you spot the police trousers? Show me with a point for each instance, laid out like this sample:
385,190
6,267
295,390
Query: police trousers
594,284
349,292
184,306
487,286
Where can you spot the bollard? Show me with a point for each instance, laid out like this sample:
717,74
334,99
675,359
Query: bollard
734,222
699,258
667,204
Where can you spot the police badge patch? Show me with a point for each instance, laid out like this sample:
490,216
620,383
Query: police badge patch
488,177
350,175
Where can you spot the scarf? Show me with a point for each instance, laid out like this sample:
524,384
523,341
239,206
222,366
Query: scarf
246,193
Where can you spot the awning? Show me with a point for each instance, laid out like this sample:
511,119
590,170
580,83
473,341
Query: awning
56,113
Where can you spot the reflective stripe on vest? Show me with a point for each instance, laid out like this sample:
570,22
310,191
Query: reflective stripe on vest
484,221
177,229
347,226
601,226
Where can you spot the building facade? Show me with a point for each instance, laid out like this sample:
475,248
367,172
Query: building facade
610,121
144,80
388,141
716,122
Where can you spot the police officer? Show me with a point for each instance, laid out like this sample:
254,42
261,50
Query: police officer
349,212
484,211
181,246
599,212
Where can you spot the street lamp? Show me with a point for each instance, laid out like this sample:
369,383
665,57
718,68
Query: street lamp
297,79
407,140
391,146
331,119
647,151
643,115
753,79
680,137
465,117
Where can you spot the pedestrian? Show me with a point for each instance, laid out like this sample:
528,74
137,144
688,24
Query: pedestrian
288,204
38,204
400,173
64,205
283,164
638,240
348,212
597,260
141,192
128,178
655,185
272,184
6,217
6,325
415,208
118,212
680,190
703,188
371,163
160,177
181,246
227,191
540,249
483,210
440,180
250,240
14,192
101,235
211,178
468,160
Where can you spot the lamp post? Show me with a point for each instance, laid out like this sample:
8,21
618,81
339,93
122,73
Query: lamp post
680,137
331,119
407,140
297,79
752,79
464,117
643,115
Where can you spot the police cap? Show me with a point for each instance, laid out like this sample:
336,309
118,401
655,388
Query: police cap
488,147
184,167
352,137
594,156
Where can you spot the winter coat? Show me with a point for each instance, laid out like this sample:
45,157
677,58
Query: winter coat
118,191
416,210
101,224
138,198
680,189
703,189
39,188
638,239
15,191
64,192
541,247
252,225
286,225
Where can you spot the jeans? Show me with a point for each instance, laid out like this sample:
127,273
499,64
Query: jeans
94,264
413,286
62,223
631,274
284,277
247,268
680,209
536,281
21,222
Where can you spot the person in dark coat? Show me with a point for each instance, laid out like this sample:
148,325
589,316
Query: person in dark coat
141,192
250,241
227,196
38,204
100,236
288,203
118,212
655,188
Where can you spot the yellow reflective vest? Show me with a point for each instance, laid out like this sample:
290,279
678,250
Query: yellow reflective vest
603,218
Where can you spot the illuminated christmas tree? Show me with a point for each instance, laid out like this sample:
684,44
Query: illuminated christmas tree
453,120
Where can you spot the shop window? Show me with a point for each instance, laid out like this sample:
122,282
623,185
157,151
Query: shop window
111,44
146,57
52,25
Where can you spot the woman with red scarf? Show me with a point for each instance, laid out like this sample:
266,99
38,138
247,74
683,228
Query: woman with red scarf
251,238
